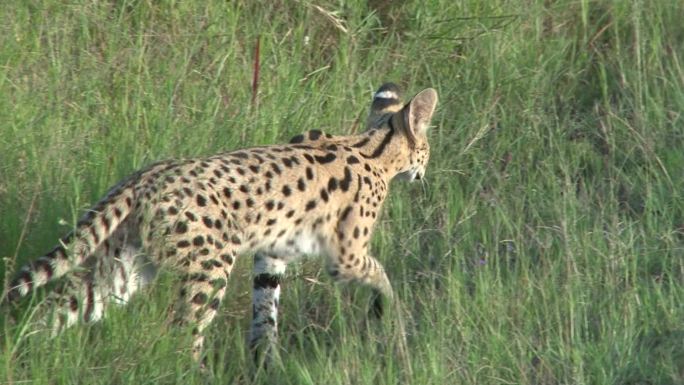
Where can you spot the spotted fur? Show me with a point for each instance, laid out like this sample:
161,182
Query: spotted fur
318,195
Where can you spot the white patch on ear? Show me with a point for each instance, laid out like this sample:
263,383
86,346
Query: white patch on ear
386,95
420,111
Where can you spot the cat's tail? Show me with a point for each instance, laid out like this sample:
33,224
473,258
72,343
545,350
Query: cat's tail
92,229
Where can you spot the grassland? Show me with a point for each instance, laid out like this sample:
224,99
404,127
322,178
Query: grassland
547,246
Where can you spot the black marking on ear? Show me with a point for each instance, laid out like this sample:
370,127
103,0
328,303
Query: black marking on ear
387,91
380,104
297,139
388,95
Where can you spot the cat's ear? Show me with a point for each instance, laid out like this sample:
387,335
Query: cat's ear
418,112
387,99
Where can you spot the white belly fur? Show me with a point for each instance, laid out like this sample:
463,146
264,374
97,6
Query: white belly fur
297,244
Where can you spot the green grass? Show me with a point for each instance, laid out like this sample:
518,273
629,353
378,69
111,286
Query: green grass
547,246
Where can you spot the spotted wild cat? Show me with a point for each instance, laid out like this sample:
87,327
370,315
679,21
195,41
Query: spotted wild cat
318,195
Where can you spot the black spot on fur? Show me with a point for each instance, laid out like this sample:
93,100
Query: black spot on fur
201,200
195,277
346,182
200,298
385,141
329,157
314,134
309,158
227,258
332,184
345,213
361,143
181,227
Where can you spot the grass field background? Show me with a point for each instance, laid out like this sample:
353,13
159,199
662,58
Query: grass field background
547,246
